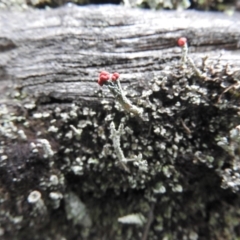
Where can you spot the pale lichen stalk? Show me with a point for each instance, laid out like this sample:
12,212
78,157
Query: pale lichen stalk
115,136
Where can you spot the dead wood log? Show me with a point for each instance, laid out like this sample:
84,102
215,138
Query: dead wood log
60,177
59,52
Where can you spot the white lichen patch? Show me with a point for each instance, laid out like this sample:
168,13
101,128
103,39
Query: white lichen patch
56,198
37,115
35,199
30,105
136,219
53,129
44,143
76,210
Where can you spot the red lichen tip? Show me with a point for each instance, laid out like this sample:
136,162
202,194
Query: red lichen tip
181,41
103,77
115,76
104,73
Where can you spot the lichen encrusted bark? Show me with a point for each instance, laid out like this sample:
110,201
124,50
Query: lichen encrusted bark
59,170
63,152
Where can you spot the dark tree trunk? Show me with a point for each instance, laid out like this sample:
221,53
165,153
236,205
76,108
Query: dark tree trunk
60,176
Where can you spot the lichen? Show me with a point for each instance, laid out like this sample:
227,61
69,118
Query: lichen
190,143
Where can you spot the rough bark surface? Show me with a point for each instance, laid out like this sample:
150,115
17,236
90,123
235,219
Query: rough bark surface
60,177
60,52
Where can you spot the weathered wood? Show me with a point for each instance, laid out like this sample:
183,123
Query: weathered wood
59,173
60,52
